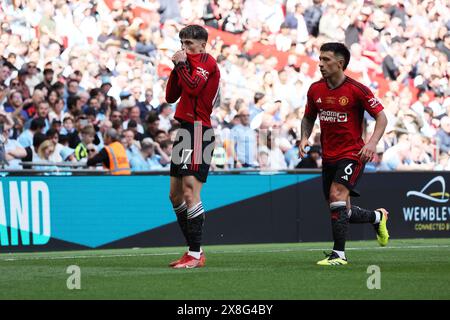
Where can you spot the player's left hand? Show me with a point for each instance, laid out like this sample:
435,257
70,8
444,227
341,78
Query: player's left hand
367,152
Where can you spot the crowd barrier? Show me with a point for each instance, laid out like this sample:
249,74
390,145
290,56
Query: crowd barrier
58,212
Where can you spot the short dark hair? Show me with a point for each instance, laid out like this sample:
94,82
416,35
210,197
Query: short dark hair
152,117
38,138
258,96
94,92
163,106
48,70
58,85
338,49
112,134
72,80
194,32
63,138
72,101
37,124
51,132
132,124
159,132
165,143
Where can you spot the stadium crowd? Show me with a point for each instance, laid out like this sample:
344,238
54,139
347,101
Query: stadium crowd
70,70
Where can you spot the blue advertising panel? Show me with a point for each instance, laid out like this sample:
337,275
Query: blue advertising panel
95,210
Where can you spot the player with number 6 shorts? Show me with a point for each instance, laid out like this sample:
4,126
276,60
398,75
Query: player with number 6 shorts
340,103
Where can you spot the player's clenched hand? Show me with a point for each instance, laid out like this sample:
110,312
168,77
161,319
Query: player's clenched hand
367,152
179,56
303,148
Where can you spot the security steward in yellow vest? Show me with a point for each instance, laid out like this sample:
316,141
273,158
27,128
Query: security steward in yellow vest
113,155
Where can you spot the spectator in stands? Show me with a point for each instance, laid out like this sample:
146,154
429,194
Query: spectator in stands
134,115
443,162
283,40
244,142
132,125
152,125
312,17
68,154
113,156
276,155
15,104
354,31
263,158
72,88
410,38
165,117
32,151
87,137
146,159
219,158
256,107
169,10
330,25
31,106
45,150
399,158
48,79
22,82
26,138
132,146
14,152
53,135
6,70
312,159
67,125
391,64
56,105
146,106
444,45
443,135
211,14
422,102
234,21
42,112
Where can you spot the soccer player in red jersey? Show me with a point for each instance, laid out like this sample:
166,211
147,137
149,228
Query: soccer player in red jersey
340,103
195,81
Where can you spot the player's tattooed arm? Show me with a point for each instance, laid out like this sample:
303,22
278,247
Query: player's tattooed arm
306,130
307,127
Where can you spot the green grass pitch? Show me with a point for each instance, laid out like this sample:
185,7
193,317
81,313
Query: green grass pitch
410,269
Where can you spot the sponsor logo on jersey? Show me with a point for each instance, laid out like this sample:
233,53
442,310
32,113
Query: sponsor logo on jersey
319,100
342,117
332,116
373,102
203,73
330,100
343,101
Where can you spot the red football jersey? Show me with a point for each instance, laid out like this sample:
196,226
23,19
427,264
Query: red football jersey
341,113
197,82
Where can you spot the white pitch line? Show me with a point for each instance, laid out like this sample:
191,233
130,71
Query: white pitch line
397,247
213,252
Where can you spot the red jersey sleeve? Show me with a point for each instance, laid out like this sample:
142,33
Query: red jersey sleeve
311,109
193,84
173,89
369,102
